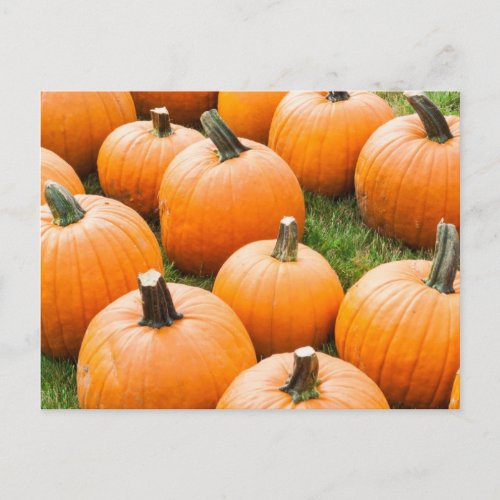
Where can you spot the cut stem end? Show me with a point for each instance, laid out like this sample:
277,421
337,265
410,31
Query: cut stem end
161,122
62,204
287,244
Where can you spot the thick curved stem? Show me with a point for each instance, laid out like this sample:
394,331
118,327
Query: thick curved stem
157,305
287,243
434,121
446,256
337,96
227,144
161,122
303,381
62,204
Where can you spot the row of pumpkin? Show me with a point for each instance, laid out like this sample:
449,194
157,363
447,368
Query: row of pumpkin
93,248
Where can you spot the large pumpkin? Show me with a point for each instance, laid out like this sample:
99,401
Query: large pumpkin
74,124
54,168
134,157
320,135
400,324
408,174
303,380
222,193
162,347
91,251
286,294
249,114
455,393
184,107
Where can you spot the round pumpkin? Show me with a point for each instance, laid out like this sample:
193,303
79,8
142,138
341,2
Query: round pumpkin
184,107
408,174
91,251
162,347
134,157
320,135
455,393
54,168
286,294
74,124
305,380
249,114
400,324
222,193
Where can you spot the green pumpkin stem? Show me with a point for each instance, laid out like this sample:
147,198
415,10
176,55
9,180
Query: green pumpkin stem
337,96
157,304
434,121
303,381
446,256
287,243
161,122
62,204
227,144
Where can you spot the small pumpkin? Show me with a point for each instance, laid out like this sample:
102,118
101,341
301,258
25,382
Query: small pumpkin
320,135
304,379
185,107
286,294
91,251
249,114
408,174
134,157
222,193
74,124
400,324
455,393
53,167
162,346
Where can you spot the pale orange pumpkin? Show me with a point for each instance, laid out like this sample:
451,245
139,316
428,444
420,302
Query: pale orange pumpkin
162,347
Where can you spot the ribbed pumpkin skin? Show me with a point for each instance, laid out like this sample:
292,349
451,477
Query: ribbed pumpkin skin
87,265
405,182
210,209
455,393
283,305
342,387
132,161
403,334
321,140
186,365
54,168
74,124
249,114
184,107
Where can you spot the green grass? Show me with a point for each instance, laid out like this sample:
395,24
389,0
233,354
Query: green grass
333,228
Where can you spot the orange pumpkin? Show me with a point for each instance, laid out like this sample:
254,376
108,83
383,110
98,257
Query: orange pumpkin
408,174
91,251
222,193
184,107
74,124
303,380
320,135
455,393
286,294
159,347
53,167
249,114
400,324
134,157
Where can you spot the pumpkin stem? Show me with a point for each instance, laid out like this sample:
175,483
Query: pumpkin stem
62,204
227,144
161,122
434,121
287,242
157,304
337,96
303,381
446,255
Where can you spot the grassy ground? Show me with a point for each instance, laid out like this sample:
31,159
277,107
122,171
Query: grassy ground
333,228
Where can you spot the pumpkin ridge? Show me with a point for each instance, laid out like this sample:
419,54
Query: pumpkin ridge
144,162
